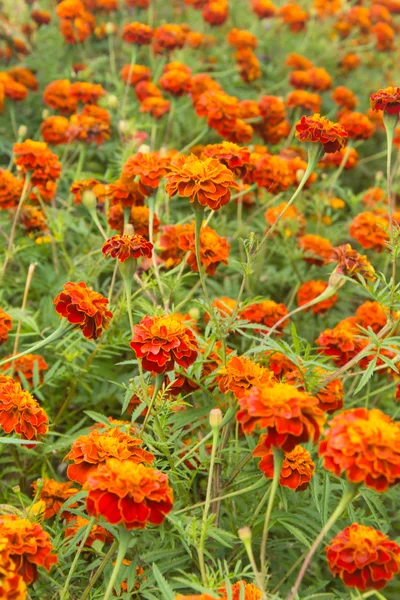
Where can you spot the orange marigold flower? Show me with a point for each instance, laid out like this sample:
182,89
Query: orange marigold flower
233,156
363,557
265,313
304,100
78,189
10,190
342,343
240,374
298,62
241,38
251,592
294,16
137,33
89,127
28,545
387,100
220,109
292,222
272,108
160,342
175,81
342,96
300,79
273,133
370,229
128,493
319,129
239,133
214,249
350,263
320,80
362,444
264,9
207,181
357,125
138,218
200,83
24,76
385,36
331,396
35,157
248,63
97,532
69,9
373,196
123,247
5,326
281,365
272,173
54,130
127,192
20,412
147,89
26,365
12,89
134,74
86,92
317,250
297,466
372,314
56,95
33,219
89,451
350,61
168,37
150,168
335,159
82,306
12,585
290,416
309,290
54,494
156,106
215,12
223,306
171,252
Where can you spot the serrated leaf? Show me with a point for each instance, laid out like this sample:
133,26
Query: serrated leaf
367,375
163,586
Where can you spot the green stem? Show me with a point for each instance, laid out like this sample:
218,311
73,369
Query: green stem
157,388
391,200
199,215
152,203
22,198
65,592
196,140
123,547
348,495
96,221
278,459
338,172
101,568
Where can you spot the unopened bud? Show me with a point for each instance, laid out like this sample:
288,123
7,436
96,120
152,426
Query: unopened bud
39,484
215,418
129,229
123,126
89,200
336,281
163,151
194,313
379,176
244,534
112,101
22,131
110,29
16,489
144,149
299,175
45,113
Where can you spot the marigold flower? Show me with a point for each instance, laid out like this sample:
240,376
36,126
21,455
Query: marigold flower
27,365
292,222
373,315
240,374
147,89
11,89
300,79
272,173
175,82
363,557
134,74
385,36
251,592
137,33
298,62
220,109
123,247
56,95
342,343
272,108
207,181
86,92
5,326
150,168
241,38
20,412
90,127
10,190
248,63
28,545
373,196
54,493
335,159
297,466
54,130
350,61
319,129
223,306
309,290
363,444
317,250
342,96
36,158
273,133
264,9
294,16
82,306
370,230
290,416
357,125
32,218
233,156
138,218
266,313
89,451
350,263
215,12
97,532
387,100
214,249
12,585
200,83
160,342
304,100
171,252
128,493
156,106
168,37
24,76
331,396
127,192
78,188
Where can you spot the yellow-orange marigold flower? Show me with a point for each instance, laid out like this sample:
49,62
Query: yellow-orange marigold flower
305,100
233,156
5,326
363,557
20,412
56,95
297,466
240,374
78,188
12,585
150,168
134,74
370,229
128,493
251,592
54,130
309,290
292,222
214,249
265,313
364,445
10,190
37,158
357,125
54,494
317,250
344,97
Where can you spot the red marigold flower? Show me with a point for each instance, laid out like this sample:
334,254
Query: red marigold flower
272,108
37,158
20,412
251,592
370,229
304,100
54,130
12,89
156,106
363,557
137,33
86,92
214,249
26,365
297,466
207,181
127,246
10,190
362,444
342,342
127,192
5,326
342,96
78,188
28,545
233,156
160,342
56,95
128,493
240,374
357,125
97,532
264,9
54,493
350,263
12,585
317,250
134,74
387,100
265,313
150,168
215,12
290,416
89,451
319,129
168,37
84,307
24,76
171,251
41,17
309,290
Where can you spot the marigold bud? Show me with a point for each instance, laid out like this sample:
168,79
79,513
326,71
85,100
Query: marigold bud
109,28
144,149
112,101
244,534
194,313
89,200
45,114
215,418
22,131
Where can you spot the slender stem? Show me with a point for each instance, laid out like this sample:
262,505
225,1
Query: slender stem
196,140
157,388
96,221
199,214
101,568
391,203
194,449
249,550
278,459
28,282
128,81
65,592
153,256
22,198
338,172
203,532
128,293
250,488
348,495
123,547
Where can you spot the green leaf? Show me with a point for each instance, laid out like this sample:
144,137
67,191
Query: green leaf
367,375
163,586
97,417
17,441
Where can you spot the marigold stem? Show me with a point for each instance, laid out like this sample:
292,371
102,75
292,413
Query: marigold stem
157,388
22,198
100,569
65,593
122,548
278,459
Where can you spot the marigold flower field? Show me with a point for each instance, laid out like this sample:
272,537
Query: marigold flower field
199,299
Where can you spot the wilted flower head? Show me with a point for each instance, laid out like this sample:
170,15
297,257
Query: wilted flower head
351,264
